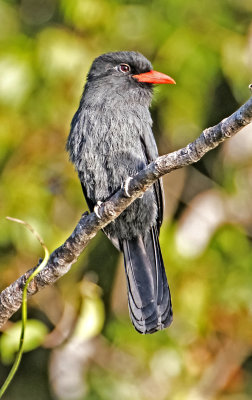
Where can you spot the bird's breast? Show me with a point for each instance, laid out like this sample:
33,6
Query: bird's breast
106,149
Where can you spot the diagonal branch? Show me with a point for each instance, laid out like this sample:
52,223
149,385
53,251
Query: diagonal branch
64,256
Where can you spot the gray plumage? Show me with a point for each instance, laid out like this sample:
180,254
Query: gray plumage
111,139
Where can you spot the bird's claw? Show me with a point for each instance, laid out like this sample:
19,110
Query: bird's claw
126,186
96,209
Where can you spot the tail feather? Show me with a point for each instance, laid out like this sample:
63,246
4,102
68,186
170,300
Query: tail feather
148,291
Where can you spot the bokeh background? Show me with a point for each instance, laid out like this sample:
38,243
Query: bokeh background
80,342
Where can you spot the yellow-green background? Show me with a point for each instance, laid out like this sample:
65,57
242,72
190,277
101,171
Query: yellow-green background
93,352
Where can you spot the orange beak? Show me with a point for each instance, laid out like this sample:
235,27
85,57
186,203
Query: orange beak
153,77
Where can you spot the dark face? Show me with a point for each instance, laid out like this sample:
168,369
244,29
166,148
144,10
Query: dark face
122,78
119,67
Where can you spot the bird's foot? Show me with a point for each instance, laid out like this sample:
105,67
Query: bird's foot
125,186
96,209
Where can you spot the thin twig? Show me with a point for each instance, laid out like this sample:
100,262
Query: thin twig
24,305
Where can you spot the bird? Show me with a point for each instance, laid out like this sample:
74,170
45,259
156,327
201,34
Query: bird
110,141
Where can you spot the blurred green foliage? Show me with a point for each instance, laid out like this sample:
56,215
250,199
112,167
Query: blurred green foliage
34,337
46,49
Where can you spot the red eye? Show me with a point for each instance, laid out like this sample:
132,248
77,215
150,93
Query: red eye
124,68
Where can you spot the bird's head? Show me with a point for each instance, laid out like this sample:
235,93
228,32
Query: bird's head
126,74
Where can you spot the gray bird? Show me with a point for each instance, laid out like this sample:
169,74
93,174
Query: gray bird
111,140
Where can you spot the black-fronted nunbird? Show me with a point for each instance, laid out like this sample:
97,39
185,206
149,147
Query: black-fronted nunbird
110,140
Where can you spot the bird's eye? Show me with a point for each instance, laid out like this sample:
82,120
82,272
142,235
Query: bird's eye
124,68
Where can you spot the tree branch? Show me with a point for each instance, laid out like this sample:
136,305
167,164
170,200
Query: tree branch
64,256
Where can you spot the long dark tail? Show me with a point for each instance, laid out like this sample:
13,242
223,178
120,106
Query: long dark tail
148,291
